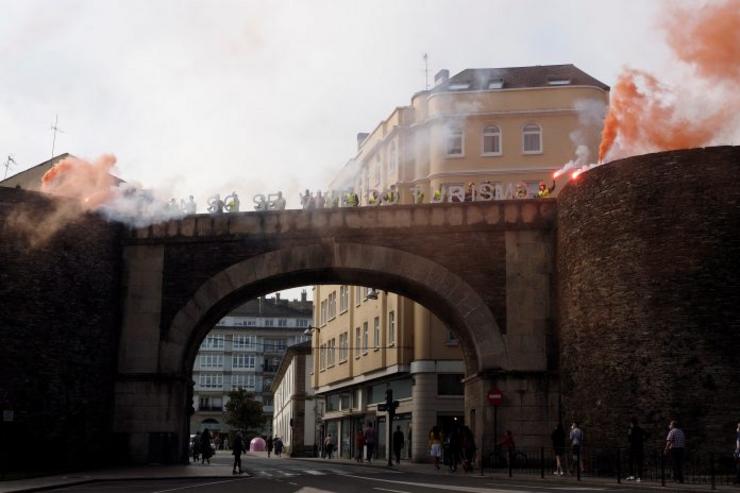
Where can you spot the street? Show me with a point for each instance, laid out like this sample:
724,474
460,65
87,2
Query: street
295,475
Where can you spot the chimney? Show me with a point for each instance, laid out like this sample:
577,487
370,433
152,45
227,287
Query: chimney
441,77
277,298
361,136
304,296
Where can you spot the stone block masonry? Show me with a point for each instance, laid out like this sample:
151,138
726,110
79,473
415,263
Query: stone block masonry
59,329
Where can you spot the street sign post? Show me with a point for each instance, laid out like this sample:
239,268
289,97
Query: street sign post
495,398
390,407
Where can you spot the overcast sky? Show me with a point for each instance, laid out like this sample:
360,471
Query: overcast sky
219,96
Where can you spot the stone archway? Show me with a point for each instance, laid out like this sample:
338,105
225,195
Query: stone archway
417,278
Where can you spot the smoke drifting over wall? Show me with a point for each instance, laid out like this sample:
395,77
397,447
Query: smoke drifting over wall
647,115
89,186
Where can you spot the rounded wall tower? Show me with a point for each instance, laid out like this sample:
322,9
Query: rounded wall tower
649,296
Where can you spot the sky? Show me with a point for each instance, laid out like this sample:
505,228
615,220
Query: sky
203,97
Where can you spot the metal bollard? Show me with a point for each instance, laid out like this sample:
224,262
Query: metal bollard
578,464
619,466
662,469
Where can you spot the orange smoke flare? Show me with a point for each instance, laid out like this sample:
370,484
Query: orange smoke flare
90,183
707,38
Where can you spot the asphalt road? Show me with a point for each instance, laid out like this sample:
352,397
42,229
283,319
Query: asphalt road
296,476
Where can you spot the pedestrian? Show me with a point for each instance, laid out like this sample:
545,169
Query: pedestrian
508,446
370,441
328,447
454,448
435,445
238,448
636,437
558,448
576,444
675,446
468,448
205,447
359,445
196,447
737,455
278,444
269,446
398,442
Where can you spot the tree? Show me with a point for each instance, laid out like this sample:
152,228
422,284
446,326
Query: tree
244,412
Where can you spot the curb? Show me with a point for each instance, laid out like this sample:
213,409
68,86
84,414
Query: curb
67,484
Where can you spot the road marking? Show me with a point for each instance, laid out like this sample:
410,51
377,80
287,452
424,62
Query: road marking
314,472
264,473
292,483
392,491
199,485
466,489
337,471
287,474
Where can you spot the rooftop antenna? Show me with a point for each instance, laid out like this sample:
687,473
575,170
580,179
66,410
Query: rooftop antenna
426,71
55,128
7,164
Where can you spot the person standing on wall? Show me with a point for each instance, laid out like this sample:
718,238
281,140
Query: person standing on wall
675,445
398,442
558,448
238,448
636,437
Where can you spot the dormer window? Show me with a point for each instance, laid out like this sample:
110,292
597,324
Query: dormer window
558,81
496,84
458,86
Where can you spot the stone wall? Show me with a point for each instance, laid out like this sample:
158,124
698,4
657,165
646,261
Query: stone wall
59,305
649,296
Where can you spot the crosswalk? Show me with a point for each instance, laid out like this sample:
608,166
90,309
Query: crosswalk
293,472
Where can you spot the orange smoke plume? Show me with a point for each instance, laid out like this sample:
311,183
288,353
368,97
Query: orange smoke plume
646,116
91,184
708,38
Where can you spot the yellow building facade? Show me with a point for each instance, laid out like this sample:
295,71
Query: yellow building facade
508,128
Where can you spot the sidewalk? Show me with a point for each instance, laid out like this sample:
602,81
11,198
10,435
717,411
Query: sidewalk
42,483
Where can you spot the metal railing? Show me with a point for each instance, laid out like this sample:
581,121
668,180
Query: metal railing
619,464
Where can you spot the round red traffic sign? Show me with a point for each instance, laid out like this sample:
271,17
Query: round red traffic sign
495,397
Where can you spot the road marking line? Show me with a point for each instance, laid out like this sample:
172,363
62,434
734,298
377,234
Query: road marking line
200,485
466,489
314,472
292,483
392,491
288,474
265,473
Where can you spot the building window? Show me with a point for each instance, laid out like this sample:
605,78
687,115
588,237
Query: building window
458,86
211,404
532,139
343,298
302,322
213,342
391,328
364,338
496,84
450,384
322,357
376,333
211,360
211,380
392,161
358,342
243,381
242,361
331,306
358,295
274,345
331,347
322,317
269,322
455,141
492,141
282,322
343,346
244,343
452,338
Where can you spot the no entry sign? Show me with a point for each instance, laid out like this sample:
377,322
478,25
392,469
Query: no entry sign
495,397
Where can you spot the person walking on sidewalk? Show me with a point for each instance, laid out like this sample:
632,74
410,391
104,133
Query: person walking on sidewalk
468,447
636,437
359,445
508,447
675,445
328,446
370,441
435,445
205,447
238,448
558,448
398,442
737,455
576,443
278,444
269,443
